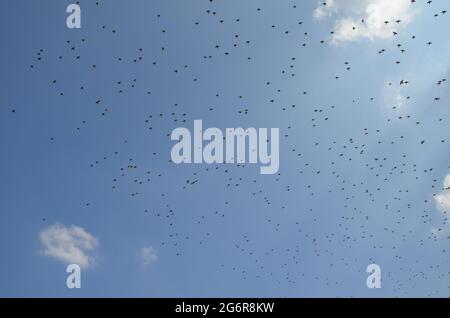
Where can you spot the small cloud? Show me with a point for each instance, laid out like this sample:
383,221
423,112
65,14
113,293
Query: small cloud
147,255
324,9
436,232
392,98
69,245
443,198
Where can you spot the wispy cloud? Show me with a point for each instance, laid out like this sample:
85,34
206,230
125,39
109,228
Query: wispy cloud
365,19
325,9
393,99
147,255
69,244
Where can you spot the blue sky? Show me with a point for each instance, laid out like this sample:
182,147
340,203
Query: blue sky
362,158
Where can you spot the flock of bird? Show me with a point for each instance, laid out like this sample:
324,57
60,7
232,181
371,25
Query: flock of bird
350,191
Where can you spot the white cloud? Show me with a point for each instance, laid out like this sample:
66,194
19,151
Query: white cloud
148,255
350,14
443,198
392,97
325,9
69,244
